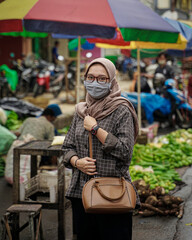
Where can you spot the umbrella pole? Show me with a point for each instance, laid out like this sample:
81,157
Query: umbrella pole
78,70
139,89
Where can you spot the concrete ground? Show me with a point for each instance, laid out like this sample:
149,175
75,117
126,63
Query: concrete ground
150,228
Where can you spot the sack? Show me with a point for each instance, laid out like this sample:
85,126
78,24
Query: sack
108,194
6,139
25,166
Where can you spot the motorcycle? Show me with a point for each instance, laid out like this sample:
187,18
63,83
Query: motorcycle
49,79
172,107
180,106
24,79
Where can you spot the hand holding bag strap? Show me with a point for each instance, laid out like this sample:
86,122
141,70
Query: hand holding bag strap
96,184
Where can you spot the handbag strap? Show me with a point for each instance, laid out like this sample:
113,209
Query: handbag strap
96,184
90,146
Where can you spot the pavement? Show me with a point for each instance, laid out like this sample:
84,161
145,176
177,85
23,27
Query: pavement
168,227
144,228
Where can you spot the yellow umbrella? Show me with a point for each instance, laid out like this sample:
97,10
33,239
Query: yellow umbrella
12,14
180,45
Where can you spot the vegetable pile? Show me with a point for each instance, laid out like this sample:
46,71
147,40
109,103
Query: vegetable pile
157,202
162,173
64,130
172,151
12,123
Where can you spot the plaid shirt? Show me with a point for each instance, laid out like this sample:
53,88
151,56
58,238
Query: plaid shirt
112,158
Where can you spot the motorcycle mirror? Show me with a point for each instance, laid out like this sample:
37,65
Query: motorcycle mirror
159,76
12,54
51,68
60,58
89,55
69,75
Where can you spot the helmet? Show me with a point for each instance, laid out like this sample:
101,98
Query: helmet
159,80
170,83
160,77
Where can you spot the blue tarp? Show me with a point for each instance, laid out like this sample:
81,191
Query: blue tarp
150,103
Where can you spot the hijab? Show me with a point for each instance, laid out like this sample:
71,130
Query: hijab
100,108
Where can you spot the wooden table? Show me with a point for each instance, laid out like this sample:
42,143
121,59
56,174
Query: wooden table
34,149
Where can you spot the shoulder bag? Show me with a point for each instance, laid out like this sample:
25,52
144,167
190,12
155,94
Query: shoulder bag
107,194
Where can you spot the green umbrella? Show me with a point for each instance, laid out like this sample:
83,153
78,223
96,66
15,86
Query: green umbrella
146,53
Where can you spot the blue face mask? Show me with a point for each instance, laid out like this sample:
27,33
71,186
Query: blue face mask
97,90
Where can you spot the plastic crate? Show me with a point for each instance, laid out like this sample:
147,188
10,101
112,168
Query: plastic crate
42,182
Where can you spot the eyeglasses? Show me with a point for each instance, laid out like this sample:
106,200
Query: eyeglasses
100,79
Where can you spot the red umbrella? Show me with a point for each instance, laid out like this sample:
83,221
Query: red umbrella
99,18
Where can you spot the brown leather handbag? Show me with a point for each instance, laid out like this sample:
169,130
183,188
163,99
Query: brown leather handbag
108,194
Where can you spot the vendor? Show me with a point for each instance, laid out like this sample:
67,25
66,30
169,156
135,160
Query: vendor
163,67
40,128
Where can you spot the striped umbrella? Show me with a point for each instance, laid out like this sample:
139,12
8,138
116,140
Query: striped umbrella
89,17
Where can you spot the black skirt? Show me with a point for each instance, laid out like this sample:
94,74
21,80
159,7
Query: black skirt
100,226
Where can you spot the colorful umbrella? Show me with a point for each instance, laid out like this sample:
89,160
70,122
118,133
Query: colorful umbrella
184,29
73,44
100,18
181,44
12,13
117,40
25,33
86,17
96,18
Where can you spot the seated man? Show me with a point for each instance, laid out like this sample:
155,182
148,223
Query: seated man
32,129
40,128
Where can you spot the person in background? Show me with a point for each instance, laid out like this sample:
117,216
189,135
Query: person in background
57,111
40,128
163,67
143,83
113,123
55,52
33,128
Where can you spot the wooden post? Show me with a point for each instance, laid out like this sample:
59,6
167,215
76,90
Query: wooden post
139,89
16,190
66,82
61,201
16,176
78,71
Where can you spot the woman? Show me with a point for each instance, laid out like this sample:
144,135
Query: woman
113,124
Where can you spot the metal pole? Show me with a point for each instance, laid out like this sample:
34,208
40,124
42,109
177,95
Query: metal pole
78,70
139,89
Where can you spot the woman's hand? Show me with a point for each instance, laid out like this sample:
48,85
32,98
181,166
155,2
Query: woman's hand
87,165
89,123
